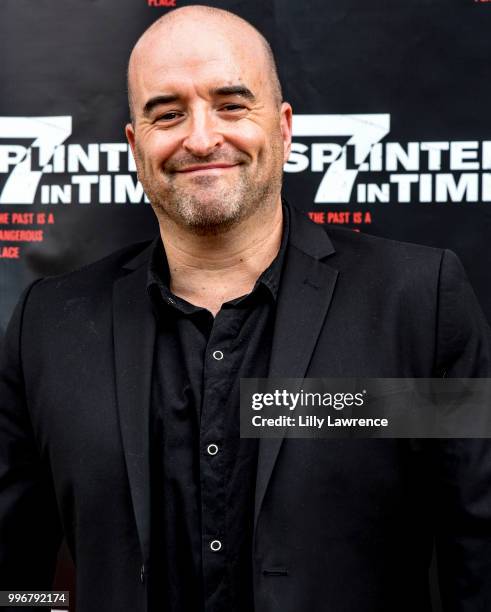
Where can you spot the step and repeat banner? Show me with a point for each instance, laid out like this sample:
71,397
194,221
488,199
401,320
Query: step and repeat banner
392,128
392,134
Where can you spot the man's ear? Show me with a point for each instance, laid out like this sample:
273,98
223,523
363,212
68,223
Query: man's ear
286,129
130,136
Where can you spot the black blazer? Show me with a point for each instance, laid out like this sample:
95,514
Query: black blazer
340,525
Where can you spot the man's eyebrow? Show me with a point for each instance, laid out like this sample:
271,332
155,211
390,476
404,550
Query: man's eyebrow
235,90
157,101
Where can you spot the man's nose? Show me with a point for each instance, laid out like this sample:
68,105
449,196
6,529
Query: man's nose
203,136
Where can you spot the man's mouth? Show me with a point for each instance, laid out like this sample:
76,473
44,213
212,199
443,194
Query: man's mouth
206,168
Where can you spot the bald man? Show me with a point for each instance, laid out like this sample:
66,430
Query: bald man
119,393
210,134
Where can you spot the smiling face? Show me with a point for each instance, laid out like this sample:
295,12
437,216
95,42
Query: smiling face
208,135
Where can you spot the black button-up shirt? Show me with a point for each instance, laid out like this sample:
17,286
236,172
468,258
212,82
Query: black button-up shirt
202,473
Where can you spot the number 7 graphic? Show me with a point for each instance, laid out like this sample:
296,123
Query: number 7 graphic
363,130
48,133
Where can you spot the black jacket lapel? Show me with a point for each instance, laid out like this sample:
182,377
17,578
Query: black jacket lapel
306,290
134,337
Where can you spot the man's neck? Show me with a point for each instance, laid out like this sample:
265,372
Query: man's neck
210,270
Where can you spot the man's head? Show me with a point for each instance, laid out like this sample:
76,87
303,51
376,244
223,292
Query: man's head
209,131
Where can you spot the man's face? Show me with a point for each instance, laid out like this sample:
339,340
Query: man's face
208,137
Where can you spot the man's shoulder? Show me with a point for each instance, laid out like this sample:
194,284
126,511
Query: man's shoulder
346,248
360,253
384,262
347,240
97,277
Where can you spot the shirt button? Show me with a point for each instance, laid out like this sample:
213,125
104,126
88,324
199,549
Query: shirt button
218,355
212,449
170,301
215,545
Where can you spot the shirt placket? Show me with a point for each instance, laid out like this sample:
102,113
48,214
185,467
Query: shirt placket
218,368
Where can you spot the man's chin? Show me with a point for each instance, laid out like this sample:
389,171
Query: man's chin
209,217
208,208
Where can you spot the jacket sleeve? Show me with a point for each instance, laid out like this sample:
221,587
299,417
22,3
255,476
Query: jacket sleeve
462,466
463,334
30,531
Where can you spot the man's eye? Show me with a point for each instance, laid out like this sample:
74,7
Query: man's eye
232,107
170,116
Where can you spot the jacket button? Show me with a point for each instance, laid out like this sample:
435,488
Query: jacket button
142,574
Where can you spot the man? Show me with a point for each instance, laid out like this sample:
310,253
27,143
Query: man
120,386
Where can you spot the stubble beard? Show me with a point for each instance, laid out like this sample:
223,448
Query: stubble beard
217,213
